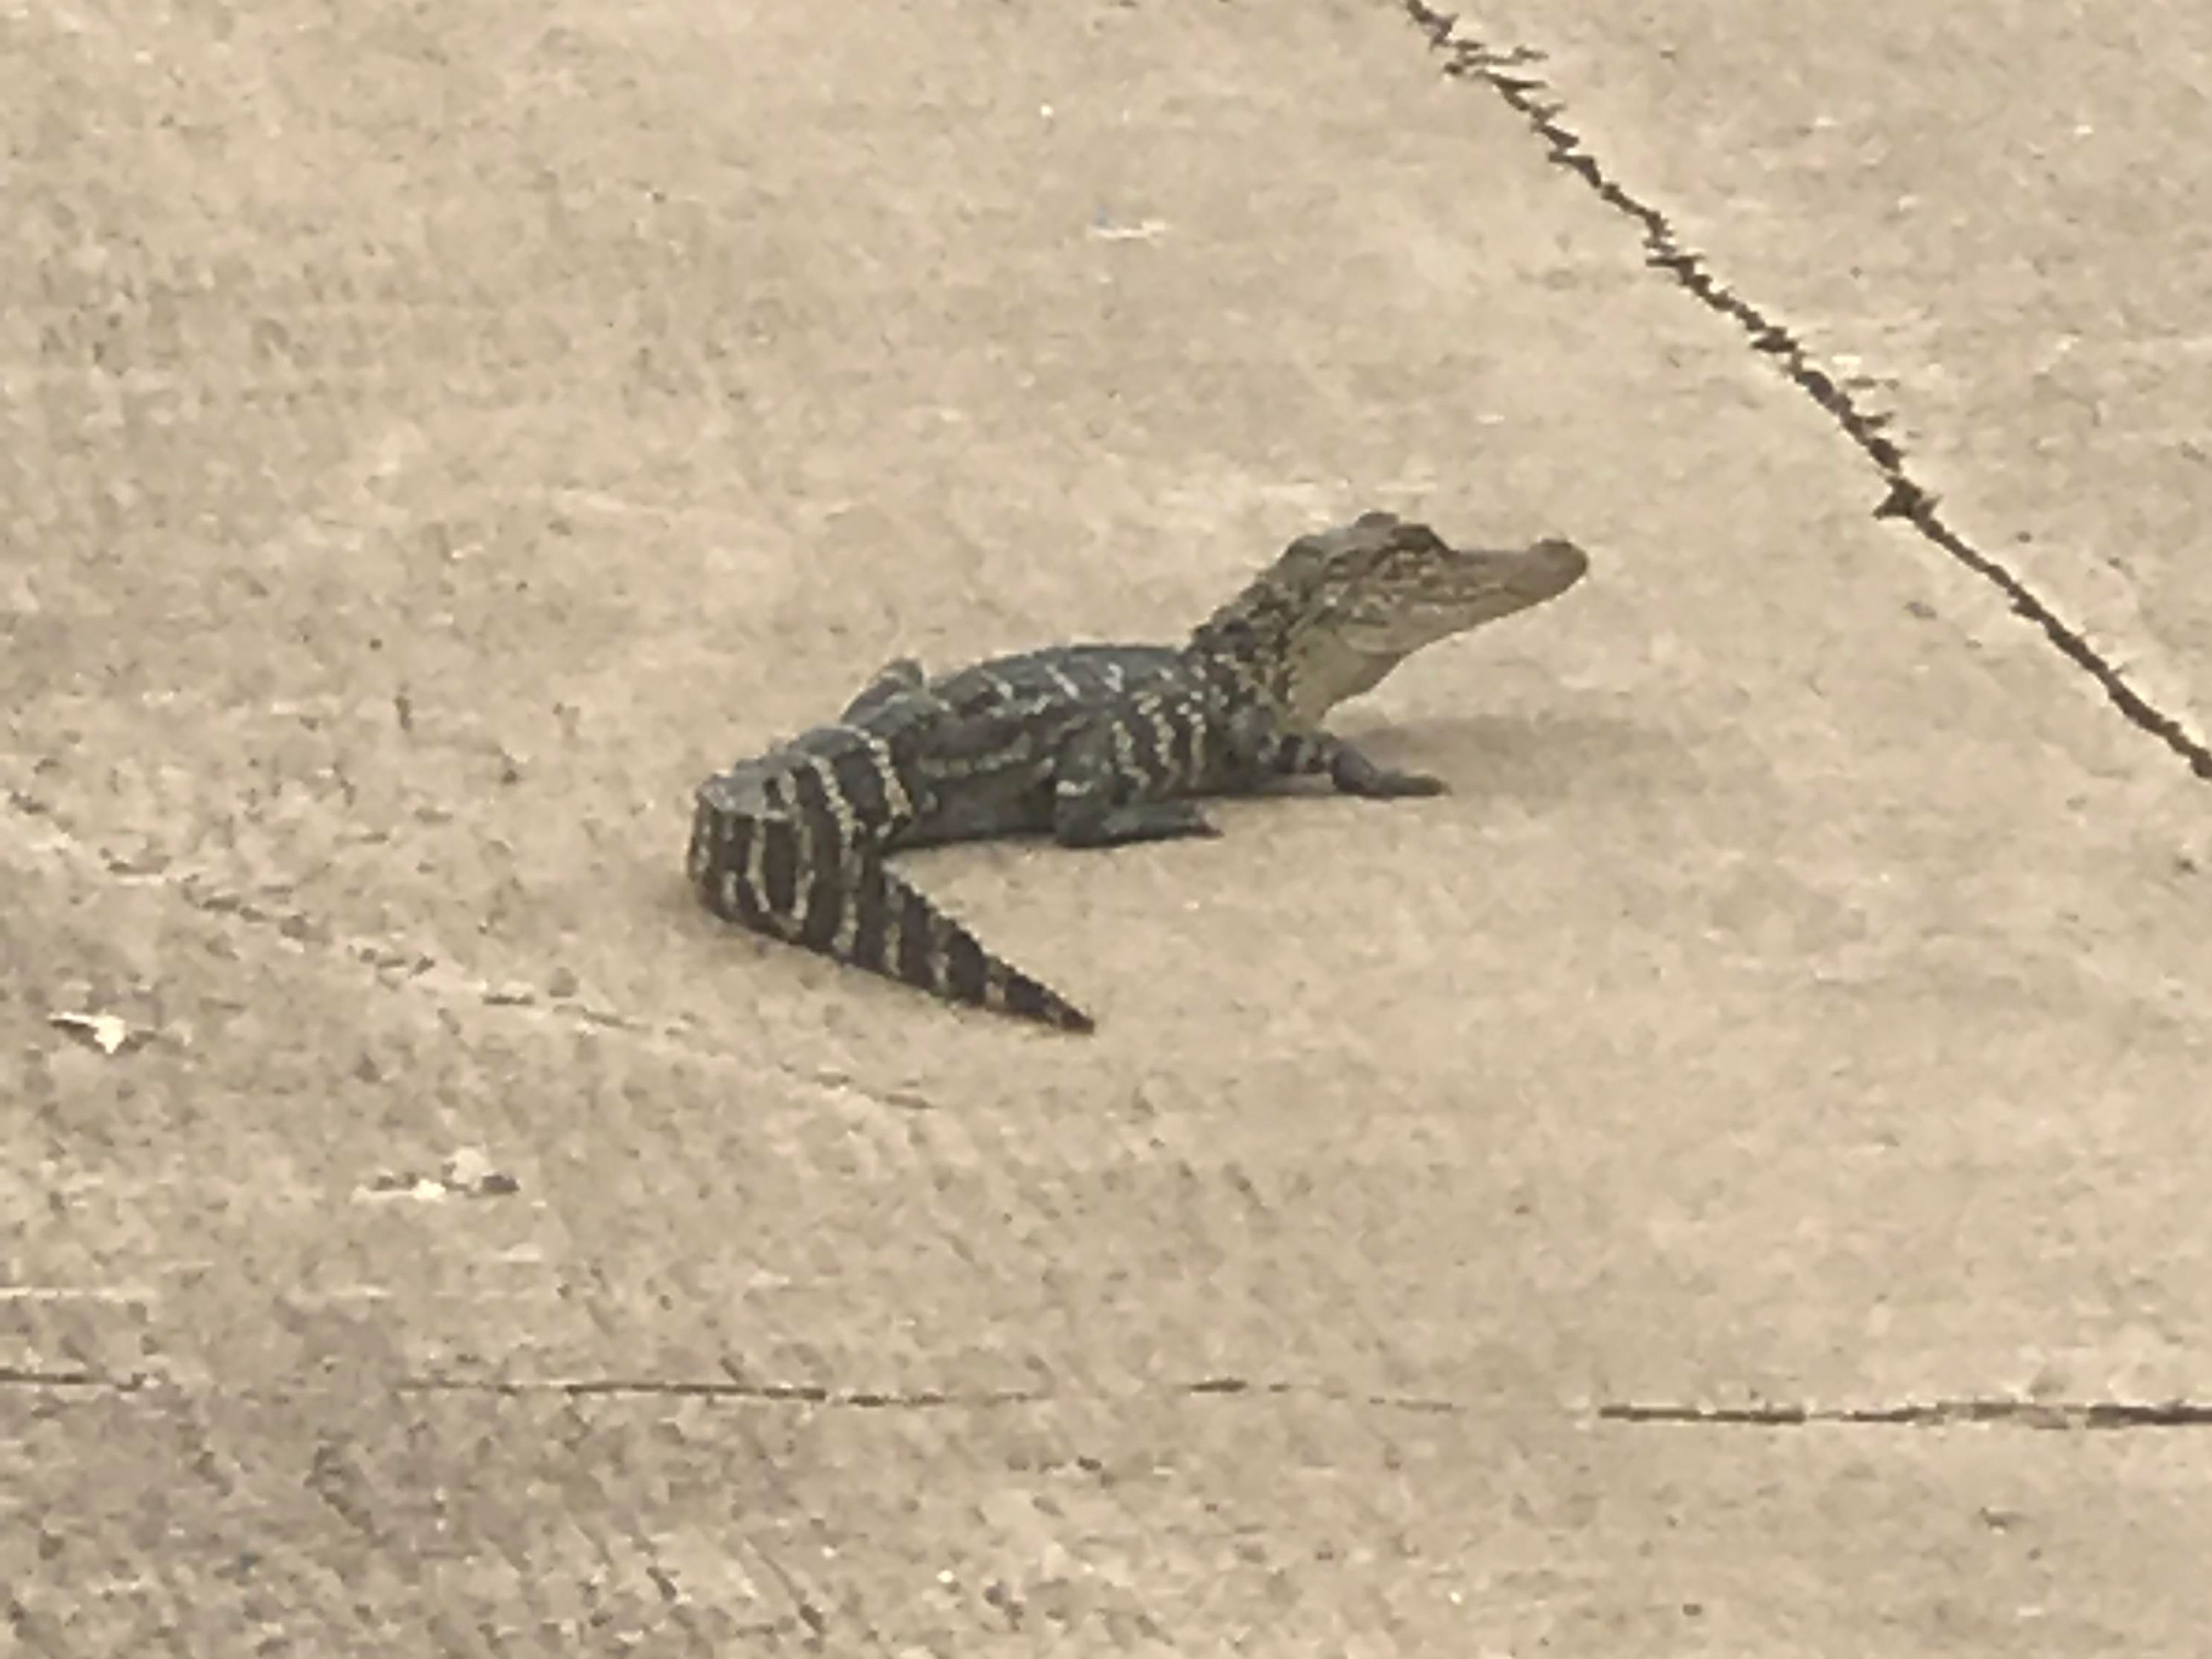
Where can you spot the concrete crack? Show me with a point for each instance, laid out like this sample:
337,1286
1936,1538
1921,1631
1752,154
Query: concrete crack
1508,74
749,1390
804,1393
809,1393
32,1376
1235,1386
2101,1414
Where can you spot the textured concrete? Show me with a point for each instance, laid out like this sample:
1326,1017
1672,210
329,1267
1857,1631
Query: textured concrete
1725,1180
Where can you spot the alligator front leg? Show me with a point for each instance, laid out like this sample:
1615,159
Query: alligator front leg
1354,774
1269,751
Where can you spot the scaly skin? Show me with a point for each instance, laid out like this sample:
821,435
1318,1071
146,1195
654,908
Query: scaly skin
1099,744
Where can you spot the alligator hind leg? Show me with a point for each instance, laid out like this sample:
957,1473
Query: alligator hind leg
1099,799
899,675
1080,821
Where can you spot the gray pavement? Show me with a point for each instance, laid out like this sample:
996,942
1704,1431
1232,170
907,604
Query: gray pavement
1725,1180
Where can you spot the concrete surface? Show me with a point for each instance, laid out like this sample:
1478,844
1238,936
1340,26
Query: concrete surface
1724,1180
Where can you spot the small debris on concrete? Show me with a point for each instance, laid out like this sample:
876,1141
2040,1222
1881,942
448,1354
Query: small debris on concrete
103,1031
466,1174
